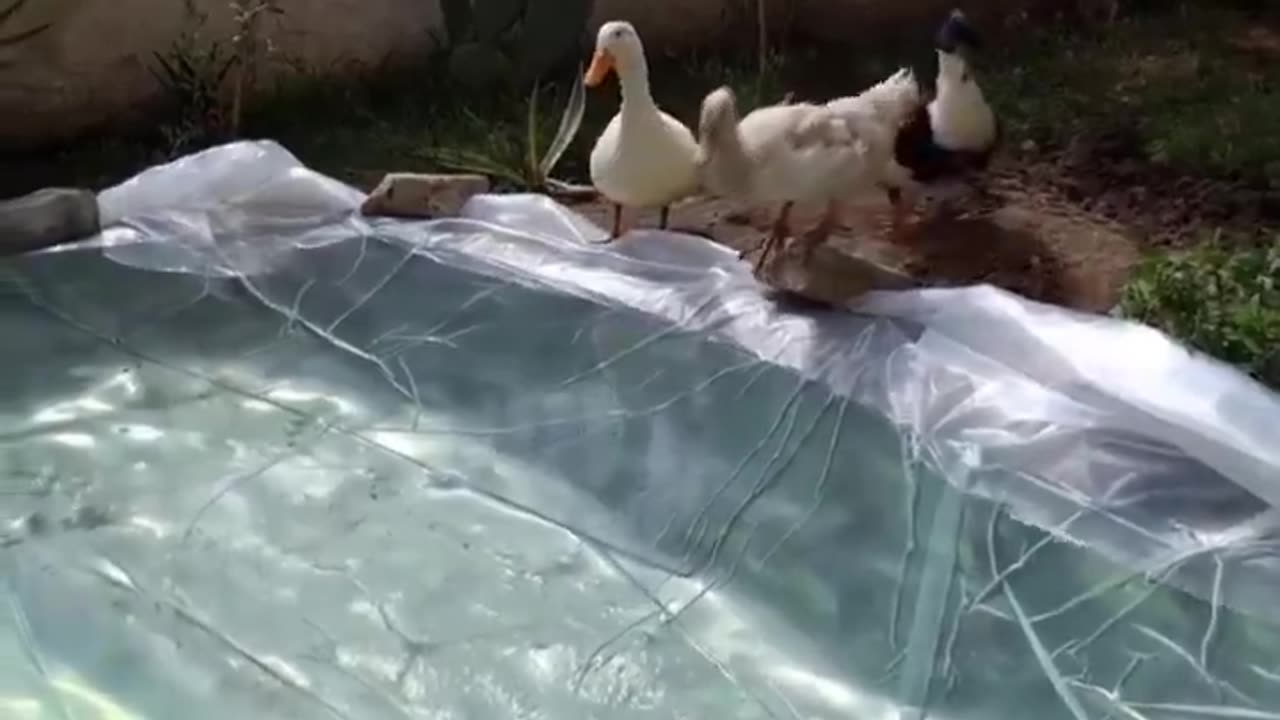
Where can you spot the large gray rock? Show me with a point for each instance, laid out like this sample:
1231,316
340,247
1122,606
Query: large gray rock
47,217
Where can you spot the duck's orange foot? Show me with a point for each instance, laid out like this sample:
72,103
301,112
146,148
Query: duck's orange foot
904,227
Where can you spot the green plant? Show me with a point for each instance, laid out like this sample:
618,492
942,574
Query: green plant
494,40
533,171
1221,300
22,35
1174,81
191,73
248,43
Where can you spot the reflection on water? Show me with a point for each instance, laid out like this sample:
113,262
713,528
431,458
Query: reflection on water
360,511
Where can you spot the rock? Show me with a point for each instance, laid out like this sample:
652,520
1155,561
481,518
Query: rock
47,217
830,277
423,195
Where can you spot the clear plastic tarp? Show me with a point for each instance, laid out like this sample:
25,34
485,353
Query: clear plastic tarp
266,458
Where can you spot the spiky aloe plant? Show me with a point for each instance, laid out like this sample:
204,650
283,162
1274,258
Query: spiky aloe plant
494,40
535,171
7,14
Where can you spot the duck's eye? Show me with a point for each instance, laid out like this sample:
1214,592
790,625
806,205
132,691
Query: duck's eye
617,34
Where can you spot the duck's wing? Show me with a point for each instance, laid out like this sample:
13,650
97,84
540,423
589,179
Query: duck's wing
817,128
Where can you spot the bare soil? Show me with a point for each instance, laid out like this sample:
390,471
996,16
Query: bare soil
1034,243
1065,228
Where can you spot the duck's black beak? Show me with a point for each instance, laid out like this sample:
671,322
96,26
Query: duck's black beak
957,34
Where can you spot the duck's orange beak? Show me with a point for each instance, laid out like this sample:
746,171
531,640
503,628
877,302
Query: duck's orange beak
601,64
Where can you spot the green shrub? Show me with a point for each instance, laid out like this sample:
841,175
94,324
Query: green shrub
1223,300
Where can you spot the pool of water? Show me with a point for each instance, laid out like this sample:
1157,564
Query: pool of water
399,471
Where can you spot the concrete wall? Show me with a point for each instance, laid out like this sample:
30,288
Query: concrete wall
93,65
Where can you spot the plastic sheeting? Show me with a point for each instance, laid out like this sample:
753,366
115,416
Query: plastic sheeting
266,458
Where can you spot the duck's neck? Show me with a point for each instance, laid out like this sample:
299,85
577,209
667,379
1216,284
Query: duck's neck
960,116
633,77
956,86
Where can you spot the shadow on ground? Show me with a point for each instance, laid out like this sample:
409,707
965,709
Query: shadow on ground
965,251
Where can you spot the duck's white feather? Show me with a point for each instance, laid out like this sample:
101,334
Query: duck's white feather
784,153
644,157
959,115
882,109
889,101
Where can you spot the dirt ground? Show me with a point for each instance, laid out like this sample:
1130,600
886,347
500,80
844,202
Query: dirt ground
1033,242
1065,229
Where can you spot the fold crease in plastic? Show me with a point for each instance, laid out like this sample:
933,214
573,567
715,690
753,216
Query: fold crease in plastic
264,457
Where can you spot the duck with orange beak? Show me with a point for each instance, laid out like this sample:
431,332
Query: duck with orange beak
644,158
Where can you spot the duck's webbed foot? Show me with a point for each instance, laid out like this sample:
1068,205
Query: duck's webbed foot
901,228
616,232
819,233
777,235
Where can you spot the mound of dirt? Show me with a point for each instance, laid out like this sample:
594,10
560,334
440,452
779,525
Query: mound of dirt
1106,176
1034,243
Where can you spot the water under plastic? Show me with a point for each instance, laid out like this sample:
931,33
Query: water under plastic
265,458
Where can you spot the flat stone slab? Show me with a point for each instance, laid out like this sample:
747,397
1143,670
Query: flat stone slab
423,195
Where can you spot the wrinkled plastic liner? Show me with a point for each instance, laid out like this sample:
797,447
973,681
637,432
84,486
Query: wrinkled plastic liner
266,459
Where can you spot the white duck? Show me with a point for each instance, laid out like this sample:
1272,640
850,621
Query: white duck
887,105
644,158
787,154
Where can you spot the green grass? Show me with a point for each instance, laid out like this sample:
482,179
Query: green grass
415,119
1176,80
1220,298
1195,102
402,118
393,119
